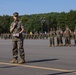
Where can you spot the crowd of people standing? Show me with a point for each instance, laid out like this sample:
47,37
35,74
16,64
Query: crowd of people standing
56,37
68,35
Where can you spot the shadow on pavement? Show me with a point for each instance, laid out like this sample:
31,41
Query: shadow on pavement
43,60
62,73
7,66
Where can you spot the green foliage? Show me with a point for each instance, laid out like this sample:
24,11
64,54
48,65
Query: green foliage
41,22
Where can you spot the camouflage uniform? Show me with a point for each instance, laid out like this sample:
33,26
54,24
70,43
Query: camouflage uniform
52,34
75,36
59,34
67,34
17,40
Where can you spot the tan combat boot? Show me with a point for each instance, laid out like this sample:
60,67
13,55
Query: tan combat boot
68,45
59,45
21,61
14,60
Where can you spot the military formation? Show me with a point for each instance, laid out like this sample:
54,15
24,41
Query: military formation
56,37
67,35
17,35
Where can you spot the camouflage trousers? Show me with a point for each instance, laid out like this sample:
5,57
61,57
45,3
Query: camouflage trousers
18,47
52,41
67,40
59,41
75,41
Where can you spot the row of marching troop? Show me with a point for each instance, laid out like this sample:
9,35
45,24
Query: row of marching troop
60,38
56,37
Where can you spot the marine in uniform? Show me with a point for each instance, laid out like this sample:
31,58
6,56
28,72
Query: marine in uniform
67,34
52,34
75,36
16,29
59,34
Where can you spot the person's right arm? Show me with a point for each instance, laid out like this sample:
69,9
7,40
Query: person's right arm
12,27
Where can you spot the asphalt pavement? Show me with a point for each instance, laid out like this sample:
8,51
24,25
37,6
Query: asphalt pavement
40,59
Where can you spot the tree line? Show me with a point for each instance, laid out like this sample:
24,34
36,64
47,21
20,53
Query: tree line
41,22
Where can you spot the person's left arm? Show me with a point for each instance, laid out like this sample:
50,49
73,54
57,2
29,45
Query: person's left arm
22,29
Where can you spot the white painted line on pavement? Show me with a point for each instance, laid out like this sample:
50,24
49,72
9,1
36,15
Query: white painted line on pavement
38,67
